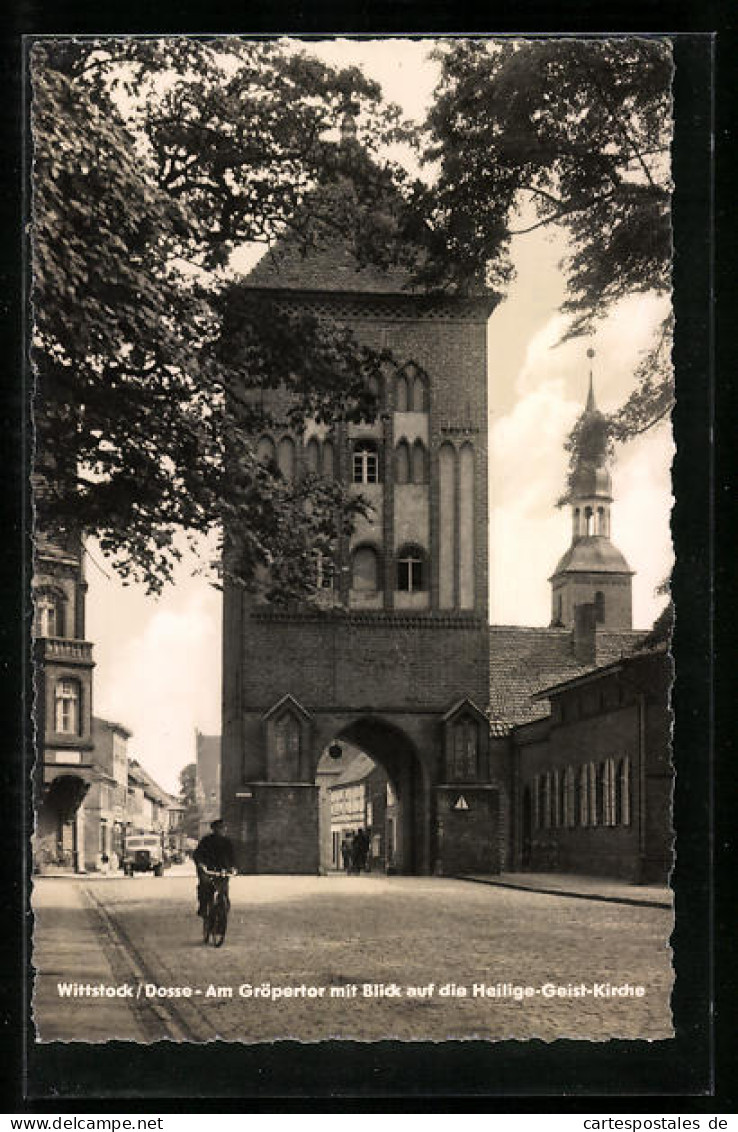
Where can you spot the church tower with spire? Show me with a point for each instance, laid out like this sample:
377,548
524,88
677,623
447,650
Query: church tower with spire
593,571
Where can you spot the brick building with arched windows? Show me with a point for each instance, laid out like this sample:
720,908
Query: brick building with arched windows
398,659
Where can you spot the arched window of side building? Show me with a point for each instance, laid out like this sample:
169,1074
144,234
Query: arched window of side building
583,796
593,794
570,812
622,792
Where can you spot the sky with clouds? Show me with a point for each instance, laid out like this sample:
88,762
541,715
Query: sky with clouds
159,660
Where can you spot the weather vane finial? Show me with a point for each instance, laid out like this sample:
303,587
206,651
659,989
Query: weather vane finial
591,404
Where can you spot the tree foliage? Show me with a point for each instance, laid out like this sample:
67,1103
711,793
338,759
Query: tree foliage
572,133
188,798
153,161
156,160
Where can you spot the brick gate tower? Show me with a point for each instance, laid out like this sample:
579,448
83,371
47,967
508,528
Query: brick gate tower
398,663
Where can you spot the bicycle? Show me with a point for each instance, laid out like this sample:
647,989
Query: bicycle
215,913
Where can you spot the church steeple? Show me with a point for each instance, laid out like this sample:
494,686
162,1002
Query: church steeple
592,570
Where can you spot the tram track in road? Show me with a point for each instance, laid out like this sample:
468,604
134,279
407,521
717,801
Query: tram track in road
160,1019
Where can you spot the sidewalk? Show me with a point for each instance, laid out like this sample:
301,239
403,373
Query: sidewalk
66,942
580,887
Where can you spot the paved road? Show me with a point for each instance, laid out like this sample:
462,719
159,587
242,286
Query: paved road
345,957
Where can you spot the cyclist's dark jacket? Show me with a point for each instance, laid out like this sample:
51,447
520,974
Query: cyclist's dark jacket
214,851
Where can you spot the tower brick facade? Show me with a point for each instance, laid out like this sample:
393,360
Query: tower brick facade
398,663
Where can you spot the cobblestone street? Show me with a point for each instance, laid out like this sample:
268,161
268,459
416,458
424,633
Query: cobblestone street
415,941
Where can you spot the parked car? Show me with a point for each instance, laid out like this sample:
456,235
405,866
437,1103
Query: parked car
143,854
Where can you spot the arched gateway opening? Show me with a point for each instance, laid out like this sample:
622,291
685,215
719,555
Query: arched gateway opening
370,776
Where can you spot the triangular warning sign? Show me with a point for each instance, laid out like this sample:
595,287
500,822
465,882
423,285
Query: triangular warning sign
460,803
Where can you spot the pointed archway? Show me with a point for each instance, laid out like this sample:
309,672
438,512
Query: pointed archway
407,818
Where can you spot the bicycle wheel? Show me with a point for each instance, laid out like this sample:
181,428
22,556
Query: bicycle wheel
219,923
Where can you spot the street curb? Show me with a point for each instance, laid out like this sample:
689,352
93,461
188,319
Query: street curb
630,900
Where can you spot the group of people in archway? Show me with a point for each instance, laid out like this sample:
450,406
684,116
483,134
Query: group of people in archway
355,851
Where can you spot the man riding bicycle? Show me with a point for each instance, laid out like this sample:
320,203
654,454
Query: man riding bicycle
214,852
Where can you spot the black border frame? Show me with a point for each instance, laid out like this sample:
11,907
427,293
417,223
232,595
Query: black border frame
361,1077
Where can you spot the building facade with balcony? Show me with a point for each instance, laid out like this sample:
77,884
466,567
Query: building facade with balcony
64,743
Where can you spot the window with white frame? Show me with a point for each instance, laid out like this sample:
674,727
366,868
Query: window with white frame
66,704
411,572
366,462
49,615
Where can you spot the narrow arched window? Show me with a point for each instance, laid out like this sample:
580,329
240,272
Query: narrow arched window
577,520
555,799
402,394
265,450
285,763
594,809
402,462
465,739
366,462
328,459
286,457
622,793
570,797
583,791
588,521
411,571
365,569
609,806
601,796
419,394
601,521
599,604
542,811
312,456
66,707
419,463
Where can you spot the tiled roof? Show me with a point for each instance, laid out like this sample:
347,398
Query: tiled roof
593,554
331,267
331,263
150,785
357,770
525,660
